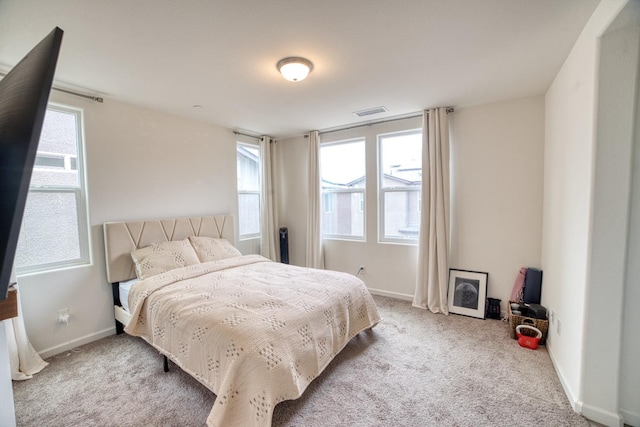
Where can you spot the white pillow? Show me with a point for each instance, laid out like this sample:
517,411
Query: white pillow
158,258
124,288
212,249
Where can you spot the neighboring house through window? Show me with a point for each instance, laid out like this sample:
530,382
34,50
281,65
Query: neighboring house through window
342,174
343,177
400,180
54,231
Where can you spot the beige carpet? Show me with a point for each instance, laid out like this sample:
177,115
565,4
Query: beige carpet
414,369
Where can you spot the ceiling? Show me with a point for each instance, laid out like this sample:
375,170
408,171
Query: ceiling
406,55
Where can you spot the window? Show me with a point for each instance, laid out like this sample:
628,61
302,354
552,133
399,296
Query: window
248,161
400,180
54,229
342,174
328,201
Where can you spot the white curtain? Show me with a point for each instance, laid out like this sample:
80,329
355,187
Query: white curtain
269,213
23,359
315,257
433,247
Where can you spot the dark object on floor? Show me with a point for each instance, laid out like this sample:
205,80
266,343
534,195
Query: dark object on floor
284,245
493,308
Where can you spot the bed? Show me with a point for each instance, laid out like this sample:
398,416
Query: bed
253,331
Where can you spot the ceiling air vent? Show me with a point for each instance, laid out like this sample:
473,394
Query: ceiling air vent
370,111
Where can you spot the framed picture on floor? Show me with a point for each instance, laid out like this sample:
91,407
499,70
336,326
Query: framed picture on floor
467,292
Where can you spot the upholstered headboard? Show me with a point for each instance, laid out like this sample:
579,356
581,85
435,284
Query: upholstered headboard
120,238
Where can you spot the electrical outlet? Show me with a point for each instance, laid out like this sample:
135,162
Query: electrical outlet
360,270
558,327
63,315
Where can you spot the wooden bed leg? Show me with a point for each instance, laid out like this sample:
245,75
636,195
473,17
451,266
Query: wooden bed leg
166,364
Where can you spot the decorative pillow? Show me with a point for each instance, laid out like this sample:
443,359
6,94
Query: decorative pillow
212,249
161,257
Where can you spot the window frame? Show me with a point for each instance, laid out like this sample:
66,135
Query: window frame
383,191
357,190
80,192
258,235
327,207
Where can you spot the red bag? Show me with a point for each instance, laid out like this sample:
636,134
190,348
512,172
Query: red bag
527,341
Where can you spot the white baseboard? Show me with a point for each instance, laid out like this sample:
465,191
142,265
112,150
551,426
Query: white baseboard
592,413
575,403
52,351
631,418
396,295
602,416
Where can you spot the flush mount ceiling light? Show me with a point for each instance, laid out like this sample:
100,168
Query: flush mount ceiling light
294,69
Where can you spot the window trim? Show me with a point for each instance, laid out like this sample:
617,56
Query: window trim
80,191
258,235
383,190
362,190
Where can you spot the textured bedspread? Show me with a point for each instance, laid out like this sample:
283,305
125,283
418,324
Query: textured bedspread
255,332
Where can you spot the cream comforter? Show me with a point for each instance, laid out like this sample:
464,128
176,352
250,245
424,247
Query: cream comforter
255,332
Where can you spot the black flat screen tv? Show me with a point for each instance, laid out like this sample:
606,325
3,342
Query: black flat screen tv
24,93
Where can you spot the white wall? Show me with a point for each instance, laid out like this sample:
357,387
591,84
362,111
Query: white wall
616,115
389,268
497,153
7,414
497,164
140,164
608,386
292,187
630,381
568,214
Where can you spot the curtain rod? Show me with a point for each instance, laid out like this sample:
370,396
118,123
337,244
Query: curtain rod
81,95
359,125
70,92
246,134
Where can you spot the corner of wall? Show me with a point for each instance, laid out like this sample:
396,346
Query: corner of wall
570,124
575,403
601,416
7,413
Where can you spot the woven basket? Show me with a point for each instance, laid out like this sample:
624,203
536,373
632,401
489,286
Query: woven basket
515,320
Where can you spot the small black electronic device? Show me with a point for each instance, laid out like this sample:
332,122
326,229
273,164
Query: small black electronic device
536,310
284,245
492,308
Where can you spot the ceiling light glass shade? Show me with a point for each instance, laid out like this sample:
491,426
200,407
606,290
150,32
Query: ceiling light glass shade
295,69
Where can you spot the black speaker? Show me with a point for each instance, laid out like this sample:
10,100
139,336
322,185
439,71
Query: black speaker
492,308
532,286
284,245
